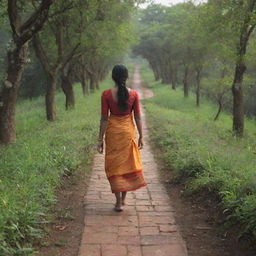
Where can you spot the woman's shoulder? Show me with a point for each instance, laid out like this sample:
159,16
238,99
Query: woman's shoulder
106,92
134,92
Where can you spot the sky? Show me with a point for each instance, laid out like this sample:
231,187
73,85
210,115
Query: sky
169,2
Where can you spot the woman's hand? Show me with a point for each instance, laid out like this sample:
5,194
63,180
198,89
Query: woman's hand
140,143
100,146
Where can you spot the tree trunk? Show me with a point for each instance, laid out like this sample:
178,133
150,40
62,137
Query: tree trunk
92,83
174,78
247,28
17,58
51,71
198,86
153,67
155,74
16,62
158,73
219,110
164,74
67,88
50,98
85,86
238,99
185,82
97,84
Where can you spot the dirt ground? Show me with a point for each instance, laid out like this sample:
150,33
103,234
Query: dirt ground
201,225
64,233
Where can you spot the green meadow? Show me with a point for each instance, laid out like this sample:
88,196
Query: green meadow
31,170
203,154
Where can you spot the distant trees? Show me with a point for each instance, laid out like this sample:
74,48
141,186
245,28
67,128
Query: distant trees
200,44
78,41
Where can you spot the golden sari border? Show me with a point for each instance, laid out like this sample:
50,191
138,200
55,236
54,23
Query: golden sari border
127,182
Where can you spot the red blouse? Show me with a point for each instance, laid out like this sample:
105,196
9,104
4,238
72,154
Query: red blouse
108,104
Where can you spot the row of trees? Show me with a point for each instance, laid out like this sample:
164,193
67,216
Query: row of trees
203,44
74,40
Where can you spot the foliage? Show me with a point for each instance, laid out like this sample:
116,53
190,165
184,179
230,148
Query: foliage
204,154
198,44
31,169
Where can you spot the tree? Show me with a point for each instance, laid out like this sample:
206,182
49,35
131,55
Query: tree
240,18
22,31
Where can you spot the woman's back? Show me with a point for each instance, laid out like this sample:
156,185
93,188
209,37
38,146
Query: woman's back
109,103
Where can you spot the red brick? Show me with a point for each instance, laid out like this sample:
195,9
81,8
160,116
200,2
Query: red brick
168,228
142,196
161,202
130,201
118,220
149,231
142,208
128,240
160,239
156,188
165,250
155,220
134,250
164,208
161,196
143,202
129,230
101,229
100,238
113,250
141,214
88,249
92,198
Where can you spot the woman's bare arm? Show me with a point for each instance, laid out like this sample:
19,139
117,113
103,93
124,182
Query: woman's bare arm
139,127
103,127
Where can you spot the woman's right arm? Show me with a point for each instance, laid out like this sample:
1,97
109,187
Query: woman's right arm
137,117
103,122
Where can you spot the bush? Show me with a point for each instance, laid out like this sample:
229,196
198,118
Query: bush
204,154
31,169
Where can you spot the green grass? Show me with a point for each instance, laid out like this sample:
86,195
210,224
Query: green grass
31,169
203,154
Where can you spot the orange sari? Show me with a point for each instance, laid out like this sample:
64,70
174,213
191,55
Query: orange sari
122,158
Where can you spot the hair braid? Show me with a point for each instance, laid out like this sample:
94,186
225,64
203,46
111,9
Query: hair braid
120,75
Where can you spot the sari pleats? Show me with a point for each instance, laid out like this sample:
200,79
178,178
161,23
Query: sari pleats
122,158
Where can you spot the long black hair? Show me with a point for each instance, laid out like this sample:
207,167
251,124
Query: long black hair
120,75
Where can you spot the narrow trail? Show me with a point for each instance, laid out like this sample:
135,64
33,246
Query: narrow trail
146,227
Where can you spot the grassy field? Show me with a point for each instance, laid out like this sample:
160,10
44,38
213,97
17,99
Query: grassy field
31,169
203,154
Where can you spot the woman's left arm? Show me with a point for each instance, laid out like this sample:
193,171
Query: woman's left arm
103,122
103,127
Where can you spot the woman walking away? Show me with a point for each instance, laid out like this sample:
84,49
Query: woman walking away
122,156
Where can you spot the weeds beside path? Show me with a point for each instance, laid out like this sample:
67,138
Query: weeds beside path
32,170
204,157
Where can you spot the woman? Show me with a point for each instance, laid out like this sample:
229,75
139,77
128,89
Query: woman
122,156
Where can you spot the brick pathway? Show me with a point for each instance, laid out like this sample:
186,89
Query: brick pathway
146,227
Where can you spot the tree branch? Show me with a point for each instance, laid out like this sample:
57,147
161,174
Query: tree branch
63,10
30,27
12,13
72,54
40,53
